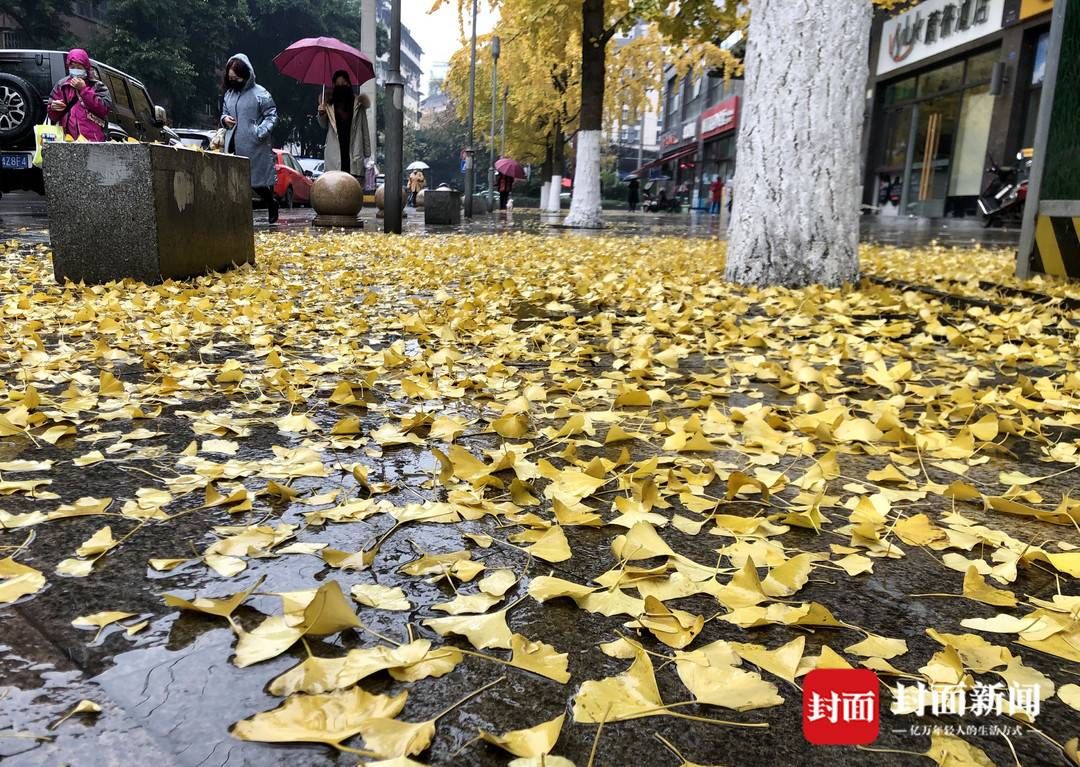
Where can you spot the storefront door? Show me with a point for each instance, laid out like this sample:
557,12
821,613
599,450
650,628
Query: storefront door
935,138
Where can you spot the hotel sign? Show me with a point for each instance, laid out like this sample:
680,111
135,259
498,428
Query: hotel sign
934,27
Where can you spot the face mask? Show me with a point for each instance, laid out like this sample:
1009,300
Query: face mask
77,72
236,84
342,92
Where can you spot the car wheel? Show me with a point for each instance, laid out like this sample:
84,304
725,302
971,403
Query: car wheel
289,198
21,108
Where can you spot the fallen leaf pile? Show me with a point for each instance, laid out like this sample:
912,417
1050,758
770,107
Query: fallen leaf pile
599,469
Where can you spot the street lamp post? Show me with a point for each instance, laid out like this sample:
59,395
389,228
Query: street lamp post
494,101
395,127
502,140
469,152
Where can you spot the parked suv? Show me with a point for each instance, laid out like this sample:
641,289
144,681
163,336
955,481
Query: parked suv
27,78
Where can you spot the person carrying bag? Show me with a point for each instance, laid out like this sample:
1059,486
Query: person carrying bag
47,133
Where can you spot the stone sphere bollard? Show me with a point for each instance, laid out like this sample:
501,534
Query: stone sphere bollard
420,198
337,194
380,201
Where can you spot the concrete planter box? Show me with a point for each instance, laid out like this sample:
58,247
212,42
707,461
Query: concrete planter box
145,211
442,206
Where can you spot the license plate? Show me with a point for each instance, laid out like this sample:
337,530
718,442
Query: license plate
15,161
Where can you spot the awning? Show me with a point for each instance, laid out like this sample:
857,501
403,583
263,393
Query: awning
679,154
688,150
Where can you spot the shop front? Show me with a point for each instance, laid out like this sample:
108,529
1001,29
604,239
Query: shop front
953,86
699,151
719,125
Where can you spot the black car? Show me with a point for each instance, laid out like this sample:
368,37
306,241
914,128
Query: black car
27,78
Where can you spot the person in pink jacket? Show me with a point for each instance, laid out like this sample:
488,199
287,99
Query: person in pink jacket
80,103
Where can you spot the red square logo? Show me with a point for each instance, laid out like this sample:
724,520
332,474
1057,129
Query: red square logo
840,707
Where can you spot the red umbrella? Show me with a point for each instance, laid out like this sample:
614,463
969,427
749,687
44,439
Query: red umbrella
314,60
509,167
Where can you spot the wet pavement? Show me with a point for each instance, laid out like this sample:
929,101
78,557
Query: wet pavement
24,215
169,692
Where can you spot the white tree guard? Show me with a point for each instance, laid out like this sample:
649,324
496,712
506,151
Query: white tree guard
554,204
585,208
544,195
796,214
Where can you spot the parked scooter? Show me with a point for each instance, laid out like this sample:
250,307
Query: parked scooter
1003,198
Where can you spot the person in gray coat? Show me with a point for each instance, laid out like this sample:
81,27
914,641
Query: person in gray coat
344,117
248,116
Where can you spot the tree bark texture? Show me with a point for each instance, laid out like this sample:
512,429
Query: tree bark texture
795,219
585,205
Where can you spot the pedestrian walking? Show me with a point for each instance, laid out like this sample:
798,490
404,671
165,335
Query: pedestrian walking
248,116
344,117
417,183
633,192
504,185
716,193
80,103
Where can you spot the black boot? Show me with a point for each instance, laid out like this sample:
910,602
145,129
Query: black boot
273,210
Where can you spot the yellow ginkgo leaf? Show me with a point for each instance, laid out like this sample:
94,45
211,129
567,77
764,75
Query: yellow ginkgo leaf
540,658
976,588
533,742
626,696
483,631
390,738
330,718
18,580
712,675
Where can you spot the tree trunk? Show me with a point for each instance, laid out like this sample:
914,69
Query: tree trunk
795,220
554,202
585,208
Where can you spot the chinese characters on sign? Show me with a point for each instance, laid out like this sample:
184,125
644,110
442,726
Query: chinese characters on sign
936,26
984,700
840,707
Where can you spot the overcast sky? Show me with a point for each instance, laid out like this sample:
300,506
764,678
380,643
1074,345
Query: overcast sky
438,33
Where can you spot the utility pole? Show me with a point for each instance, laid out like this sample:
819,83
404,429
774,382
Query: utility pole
368,21
502,141
469,151
494,100
395,127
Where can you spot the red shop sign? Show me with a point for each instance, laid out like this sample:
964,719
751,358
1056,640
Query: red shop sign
720,118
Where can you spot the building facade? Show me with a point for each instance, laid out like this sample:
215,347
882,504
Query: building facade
953,83
700,120
411,70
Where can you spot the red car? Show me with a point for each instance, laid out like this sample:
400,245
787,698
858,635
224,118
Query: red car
293,187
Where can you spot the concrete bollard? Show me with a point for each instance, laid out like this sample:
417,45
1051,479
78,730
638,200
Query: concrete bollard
145,211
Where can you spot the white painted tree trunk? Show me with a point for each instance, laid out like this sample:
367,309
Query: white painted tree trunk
554,202
544,195
585,208
796,214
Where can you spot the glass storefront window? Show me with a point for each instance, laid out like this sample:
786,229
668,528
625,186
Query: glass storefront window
897,127
1038,71
900,91
981,67
941,79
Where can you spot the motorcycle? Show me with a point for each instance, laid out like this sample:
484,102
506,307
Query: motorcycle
1004,196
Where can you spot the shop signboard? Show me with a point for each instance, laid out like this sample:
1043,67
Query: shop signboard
934,27
720,118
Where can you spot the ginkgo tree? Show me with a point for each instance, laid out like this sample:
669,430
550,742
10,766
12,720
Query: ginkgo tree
564,80
696,21
543,83
795,219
